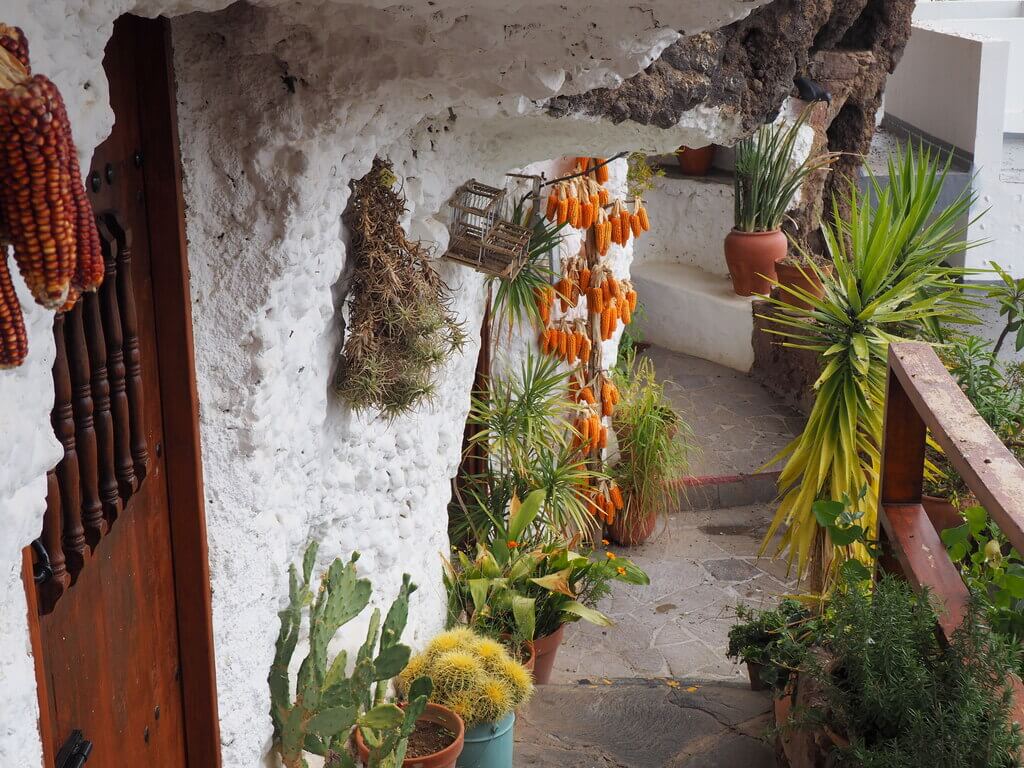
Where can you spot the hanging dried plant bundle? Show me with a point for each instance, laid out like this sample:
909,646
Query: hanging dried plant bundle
401,327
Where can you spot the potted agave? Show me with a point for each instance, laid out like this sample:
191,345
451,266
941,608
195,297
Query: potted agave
654,452
527,584
475,677
765,183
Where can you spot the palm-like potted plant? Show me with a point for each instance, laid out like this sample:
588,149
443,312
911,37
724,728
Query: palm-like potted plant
654,452
889,283
765,182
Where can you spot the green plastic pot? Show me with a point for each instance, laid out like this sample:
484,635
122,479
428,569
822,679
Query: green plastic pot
488,745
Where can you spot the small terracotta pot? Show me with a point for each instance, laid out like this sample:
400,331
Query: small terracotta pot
546,648
790,274
754,673
695,162
434,713
631,530
527,652
751,257
941,512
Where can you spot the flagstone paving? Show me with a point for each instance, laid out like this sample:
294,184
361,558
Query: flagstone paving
657,689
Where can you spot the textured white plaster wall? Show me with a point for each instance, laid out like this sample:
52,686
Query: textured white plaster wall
447,93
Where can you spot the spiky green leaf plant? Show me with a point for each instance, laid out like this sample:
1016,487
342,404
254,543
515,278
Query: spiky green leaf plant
766,179
889,283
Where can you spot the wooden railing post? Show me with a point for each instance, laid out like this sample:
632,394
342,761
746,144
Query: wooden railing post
903,445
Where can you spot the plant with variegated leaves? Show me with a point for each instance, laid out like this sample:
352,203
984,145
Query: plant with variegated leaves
328,703
889,284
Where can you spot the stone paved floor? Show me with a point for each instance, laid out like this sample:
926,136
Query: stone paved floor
656,689
738,425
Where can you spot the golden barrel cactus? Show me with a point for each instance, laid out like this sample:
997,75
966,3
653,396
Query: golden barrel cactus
472,675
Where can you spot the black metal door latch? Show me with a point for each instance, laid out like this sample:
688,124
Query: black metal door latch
75,752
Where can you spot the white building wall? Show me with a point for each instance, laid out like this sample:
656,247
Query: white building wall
447,95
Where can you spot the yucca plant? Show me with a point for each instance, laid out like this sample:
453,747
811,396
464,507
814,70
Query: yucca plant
523,428
766,179
889,283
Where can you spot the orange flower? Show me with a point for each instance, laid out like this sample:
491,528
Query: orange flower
621,571
610,555
604,542
513,544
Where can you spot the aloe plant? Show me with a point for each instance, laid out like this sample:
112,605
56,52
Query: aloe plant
327,702
889,283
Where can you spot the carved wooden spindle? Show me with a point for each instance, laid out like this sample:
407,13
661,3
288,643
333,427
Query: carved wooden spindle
123,467
51,589
85,436
102,422
63,419
129,323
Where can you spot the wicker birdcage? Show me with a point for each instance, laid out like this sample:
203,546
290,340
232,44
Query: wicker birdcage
481,236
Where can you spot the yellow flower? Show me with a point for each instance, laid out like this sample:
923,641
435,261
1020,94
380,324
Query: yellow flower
610,555
604,542
621,571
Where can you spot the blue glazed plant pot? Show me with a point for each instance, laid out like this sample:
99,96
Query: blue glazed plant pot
488,745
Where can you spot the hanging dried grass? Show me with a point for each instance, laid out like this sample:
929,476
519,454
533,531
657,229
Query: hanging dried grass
401,326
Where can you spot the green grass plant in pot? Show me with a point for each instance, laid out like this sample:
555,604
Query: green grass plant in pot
889,283
525,584
475,677
765,181
655,445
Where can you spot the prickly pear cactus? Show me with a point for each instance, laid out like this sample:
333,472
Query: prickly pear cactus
327,702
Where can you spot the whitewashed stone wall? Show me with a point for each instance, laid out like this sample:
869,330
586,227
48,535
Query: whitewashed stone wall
449,93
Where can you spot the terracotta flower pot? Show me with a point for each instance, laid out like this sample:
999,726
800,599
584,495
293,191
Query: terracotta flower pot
434,713
751,257
631,530
754,673
941,512
546,648
790,275
695,162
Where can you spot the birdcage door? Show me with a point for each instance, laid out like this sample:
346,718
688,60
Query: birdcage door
117,581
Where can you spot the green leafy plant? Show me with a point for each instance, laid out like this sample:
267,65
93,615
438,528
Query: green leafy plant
766,178
843,523
522,433
401,328
472,675
777,639
525,583
1009,293
655,443
992,569
327,702
904,699
888,284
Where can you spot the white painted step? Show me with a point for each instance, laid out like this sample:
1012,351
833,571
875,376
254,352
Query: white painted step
690,310
690,218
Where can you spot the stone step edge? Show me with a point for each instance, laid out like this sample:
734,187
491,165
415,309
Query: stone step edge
710,492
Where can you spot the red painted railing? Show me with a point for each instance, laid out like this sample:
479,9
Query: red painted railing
923,398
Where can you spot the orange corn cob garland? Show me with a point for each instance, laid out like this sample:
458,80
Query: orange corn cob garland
552,210
601,172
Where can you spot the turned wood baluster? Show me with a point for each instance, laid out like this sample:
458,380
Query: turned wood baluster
123,467
85,435
104,427
129,323
63,419
53,588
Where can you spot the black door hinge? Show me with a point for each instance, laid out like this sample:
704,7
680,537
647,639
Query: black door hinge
75,752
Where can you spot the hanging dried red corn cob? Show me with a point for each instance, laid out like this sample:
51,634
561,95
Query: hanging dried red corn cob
13,341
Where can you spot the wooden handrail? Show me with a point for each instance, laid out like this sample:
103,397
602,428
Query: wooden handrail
922,397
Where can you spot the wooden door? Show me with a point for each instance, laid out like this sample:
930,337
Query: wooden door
120,583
